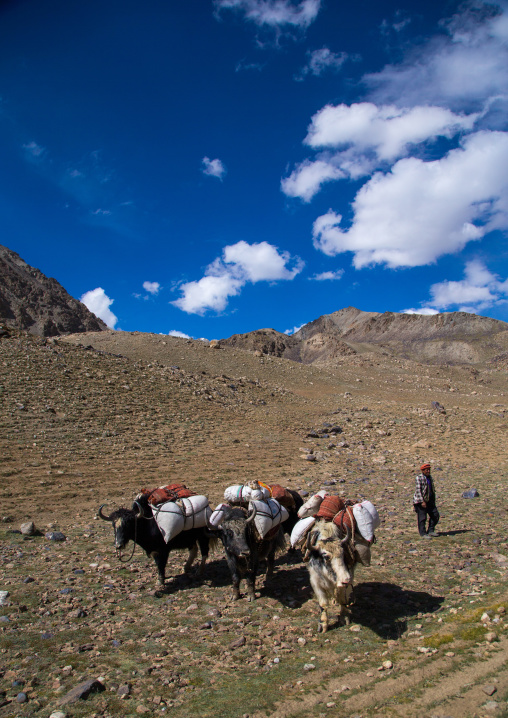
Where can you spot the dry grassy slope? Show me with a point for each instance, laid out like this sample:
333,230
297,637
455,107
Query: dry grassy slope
79,426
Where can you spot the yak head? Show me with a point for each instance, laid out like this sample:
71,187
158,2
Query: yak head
234,532
124,523
326,544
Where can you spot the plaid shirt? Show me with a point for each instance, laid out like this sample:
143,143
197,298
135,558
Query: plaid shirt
422,492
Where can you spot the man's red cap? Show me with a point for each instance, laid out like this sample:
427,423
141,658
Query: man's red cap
424,466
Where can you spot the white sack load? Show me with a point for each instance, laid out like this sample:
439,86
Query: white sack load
311,506
217,516
300,530
173,517
362,550
243,493
269,514
367,519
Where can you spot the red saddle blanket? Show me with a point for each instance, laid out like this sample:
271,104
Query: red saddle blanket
334,509
283,496
172,492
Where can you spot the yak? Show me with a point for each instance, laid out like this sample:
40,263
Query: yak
245,548
137,525
332,558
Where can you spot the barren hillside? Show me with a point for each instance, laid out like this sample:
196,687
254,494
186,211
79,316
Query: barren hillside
94,417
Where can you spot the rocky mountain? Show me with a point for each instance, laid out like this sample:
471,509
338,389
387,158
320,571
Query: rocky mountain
29,300
452,337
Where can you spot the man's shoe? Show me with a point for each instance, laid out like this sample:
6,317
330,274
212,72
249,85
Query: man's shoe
426,536
432,533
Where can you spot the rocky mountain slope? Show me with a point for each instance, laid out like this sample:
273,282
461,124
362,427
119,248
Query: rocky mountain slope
29,300
91,418
454,337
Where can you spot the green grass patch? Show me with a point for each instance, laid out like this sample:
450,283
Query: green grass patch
439,639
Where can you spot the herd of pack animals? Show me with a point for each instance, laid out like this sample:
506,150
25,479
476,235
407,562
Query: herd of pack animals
333,535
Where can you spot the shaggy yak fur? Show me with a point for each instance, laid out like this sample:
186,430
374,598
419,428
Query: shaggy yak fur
331,568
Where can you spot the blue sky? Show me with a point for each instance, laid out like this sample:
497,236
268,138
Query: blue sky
211,167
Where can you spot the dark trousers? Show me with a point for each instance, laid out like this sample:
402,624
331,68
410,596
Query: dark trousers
431,511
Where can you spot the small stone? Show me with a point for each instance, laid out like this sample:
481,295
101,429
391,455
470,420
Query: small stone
124,690
485,617
490,637
28,579
491,706
450,654
387,664
55,536
3,597
142,709
302,641
192,607
470,494
238,643
82,691
28,528
21,698
309,667
489,689
58,714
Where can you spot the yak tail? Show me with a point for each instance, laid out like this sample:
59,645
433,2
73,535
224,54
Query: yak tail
280,542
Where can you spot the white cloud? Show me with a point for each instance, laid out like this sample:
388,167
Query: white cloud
213,168
328,276
424,310
274,13
289,332
98,302
151,287
480,288
224,278
459,70
320,61
421,210
388,130
176,333
34,151
306,180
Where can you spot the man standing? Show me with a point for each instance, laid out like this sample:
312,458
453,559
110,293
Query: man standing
424,502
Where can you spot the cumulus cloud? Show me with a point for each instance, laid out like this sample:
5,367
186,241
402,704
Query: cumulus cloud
274,13
479,288
239,264
307,179
320,61
328,276
151,287
98,302
423,310
430,146
213,168
422,210
387,130
176,333
289,332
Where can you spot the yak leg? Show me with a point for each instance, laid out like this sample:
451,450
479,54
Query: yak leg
270,560
235,577
342,599
193,552
203,547
322,599
250,577
160,562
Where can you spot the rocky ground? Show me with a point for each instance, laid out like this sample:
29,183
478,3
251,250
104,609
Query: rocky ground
95,417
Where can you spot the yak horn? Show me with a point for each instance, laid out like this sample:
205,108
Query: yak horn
347,538
101,515
252,515
140,512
